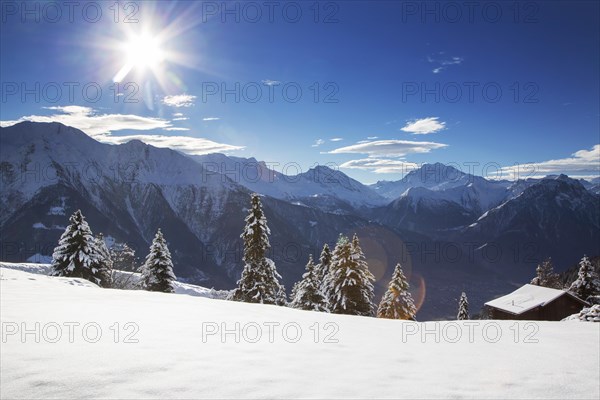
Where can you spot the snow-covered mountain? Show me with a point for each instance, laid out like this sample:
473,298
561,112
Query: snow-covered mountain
554,217
437,197
593,185
540,202
442,195
504,227
448,184
426,211
321,186
128,191
435,177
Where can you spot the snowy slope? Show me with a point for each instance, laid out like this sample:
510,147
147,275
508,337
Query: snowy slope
354,357
131,277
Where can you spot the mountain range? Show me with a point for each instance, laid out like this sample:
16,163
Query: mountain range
451,230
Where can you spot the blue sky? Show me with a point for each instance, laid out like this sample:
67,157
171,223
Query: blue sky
387,75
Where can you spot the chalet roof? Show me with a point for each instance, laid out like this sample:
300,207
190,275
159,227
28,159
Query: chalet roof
526,298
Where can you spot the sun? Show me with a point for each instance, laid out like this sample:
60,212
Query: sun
143,51
140,52
151,54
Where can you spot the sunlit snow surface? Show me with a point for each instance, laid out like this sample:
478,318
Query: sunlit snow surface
354,357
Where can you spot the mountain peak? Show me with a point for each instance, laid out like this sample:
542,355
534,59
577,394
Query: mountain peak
439,170
135,143
323,168
434,176
560,178
29,131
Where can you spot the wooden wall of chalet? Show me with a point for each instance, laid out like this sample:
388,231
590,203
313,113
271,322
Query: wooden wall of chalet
556,310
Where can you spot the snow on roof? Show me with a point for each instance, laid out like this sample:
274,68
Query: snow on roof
525,298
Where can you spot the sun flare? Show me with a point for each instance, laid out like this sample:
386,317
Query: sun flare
141,52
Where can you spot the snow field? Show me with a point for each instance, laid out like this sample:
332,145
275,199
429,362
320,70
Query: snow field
170,349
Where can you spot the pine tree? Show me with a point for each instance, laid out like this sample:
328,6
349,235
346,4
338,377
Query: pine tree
349,282
397,302
105,262
463,307
306,294
545,276
123,257
587,283
77,254
259,282
295,290
157,271
322,273
281,299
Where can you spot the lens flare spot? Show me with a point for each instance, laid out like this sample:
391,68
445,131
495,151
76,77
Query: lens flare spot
418,290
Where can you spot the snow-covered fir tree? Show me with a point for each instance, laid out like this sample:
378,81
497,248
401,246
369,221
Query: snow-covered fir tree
259,282
307,293
397,302
322,273
157,271
281,294
545,276
77,254
105,262
587,283
350,281
123,257
463,307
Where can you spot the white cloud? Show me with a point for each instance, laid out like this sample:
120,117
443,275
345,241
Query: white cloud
185,144
380,166
372,137
71,109
180,119
270,82
95,125
389,148
424,126
318,142
100,128
583,163
443,62
211,119
336,139
179,100
453,61
178,114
